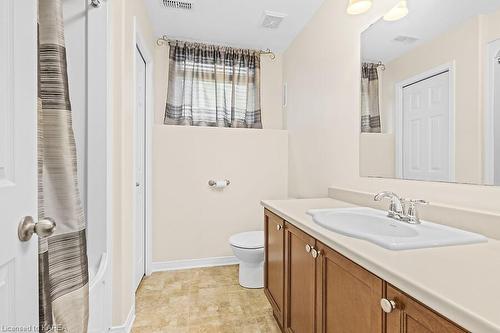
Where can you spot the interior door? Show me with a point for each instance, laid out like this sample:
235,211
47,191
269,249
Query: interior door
426,129
140,123
18,163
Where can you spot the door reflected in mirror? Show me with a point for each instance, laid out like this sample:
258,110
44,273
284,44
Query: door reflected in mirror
430,94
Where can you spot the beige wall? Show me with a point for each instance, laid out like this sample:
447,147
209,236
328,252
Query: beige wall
377,155
122,13
193,221
321,68
491,27
271,88
185,211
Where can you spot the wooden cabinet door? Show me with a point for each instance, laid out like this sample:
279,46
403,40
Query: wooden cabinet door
348,299
274,267
410,316
300,281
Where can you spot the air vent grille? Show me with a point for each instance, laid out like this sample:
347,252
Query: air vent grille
177,4
406,39
272,20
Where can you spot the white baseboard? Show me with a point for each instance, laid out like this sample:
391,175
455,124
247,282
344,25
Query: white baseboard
127,326
193,263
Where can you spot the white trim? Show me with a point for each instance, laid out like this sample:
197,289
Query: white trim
141,44
489,115
398,119
109,164
99,120
129,322
194,263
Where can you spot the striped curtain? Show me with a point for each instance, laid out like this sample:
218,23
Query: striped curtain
213,86
370,113
63,274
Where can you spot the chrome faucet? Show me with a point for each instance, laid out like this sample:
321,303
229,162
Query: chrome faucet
401,209
396,208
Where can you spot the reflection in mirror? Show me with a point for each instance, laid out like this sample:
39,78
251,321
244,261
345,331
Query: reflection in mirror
430,93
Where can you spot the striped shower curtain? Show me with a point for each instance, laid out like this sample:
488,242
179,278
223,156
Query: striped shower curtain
63,274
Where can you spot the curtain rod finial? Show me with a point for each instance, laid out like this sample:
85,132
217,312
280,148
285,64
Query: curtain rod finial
163,40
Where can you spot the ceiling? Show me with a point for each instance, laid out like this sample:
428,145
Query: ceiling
233,22
426,20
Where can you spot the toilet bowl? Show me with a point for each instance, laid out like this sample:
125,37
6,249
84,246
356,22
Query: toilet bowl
248,247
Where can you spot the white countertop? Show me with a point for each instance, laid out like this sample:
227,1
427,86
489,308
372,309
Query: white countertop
460,282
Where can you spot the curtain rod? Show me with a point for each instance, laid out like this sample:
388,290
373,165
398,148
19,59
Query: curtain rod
376,64
164,40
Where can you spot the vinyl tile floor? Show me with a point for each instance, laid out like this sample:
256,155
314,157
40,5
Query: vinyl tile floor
201,300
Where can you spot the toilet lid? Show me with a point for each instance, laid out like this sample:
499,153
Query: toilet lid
248,240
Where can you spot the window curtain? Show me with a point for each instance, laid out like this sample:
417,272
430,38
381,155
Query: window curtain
213,86
370,114
63,274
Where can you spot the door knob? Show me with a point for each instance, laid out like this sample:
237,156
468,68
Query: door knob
388,305
27,227
137,184
278,227
308,248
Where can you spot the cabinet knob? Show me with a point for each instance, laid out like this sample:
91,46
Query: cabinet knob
308,248
279,227
388,305
315,253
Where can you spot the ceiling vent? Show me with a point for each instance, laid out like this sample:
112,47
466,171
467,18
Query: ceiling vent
272,20
406,39
177,4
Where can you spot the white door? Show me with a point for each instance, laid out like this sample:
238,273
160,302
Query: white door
140,126
426,129
18,163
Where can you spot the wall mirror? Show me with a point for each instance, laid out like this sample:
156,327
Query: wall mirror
430,93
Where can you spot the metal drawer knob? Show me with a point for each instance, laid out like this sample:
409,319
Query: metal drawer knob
388,305
308,248
315,253
279,227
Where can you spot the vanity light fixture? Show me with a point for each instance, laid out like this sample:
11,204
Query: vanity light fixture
357,7
398,12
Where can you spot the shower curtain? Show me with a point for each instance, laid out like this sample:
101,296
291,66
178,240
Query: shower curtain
370,113
63,273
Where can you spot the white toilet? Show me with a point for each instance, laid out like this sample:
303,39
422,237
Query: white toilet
248,247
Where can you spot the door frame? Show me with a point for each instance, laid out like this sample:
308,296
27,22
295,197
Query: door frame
141,44
492,49
99,92
398,115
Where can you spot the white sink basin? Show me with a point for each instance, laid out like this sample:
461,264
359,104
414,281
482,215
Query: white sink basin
374,226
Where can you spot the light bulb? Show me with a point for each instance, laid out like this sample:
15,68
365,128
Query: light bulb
398,12
357,7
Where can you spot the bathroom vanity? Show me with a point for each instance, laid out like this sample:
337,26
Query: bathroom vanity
320,281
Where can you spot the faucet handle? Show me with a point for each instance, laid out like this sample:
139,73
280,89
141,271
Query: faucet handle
412,212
